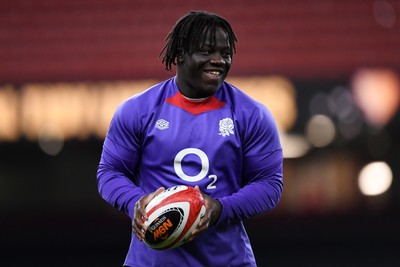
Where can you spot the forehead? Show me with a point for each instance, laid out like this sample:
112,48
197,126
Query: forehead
218,37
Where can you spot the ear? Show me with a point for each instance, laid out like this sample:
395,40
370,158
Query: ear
179,57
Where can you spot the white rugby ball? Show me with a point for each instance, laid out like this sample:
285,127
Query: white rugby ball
172,216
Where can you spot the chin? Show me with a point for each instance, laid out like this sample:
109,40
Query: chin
209,91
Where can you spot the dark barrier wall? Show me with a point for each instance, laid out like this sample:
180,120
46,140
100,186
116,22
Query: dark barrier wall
63,40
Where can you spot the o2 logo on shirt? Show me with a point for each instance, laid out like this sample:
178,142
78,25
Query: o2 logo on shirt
205,166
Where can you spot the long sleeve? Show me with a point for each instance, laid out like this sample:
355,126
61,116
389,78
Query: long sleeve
116,171
261,194
262,170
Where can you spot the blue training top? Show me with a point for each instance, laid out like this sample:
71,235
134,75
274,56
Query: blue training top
228,145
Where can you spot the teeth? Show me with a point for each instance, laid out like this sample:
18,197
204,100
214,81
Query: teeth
215,72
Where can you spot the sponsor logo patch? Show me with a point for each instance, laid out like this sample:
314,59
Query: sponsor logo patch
164,226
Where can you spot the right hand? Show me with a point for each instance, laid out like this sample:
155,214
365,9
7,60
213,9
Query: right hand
140,215
213,211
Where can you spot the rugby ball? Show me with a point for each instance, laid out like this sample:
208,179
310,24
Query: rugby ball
172,216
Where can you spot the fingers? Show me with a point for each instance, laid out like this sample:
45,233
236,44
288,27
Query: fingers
140,215
201,228
146,200
204,222
139,228
157,192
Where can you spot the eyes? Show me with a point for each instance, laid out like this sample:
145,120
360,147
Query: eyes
225,53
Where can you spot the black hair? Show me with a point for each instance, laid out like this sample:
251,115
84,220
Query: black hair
189,34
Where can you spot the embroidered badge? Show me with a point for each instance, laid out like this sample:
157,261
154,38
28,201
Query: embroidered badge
226,127
162,124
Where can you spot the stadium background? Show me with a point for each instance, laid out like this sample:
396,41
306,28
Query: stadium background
65,65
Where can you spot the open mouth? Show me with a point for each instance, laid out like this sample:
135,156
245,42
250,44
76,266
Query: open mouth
213,73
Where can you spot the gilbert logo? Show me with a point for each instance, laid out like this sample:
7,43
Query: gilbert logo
162,124
226,127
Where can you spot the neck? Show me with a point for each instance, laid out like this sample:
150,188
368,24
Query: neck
195,99
186,93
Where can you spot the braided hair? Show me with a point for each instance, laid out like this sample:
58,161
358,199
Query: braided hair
189,34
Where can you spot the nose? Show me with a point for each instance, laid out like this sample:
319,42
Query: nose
217,59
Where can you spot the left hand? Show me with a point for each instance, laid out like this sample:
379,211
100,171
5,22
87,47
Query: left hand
213,211
140,215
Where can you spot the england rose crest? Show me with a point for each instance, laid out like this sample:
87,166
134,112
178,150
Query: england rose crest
226,127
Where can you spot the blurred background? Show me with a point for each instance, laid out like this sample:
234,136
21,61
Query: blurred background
328,70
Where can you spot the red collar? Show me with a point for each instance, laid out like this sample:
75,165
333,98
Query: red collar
193,106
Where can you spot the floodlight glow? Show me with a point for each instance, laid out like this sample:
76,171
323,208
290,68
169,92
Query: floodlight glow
375,178
320,130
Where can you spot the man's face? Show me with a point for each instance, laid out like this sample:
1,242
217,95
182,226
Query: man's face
201,73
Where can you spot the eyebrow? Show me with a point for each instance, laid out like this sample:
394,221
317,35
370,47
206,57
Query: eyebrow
209,44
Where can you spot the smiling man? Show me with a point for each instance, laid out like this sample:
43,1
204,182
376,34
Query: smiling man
198,130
